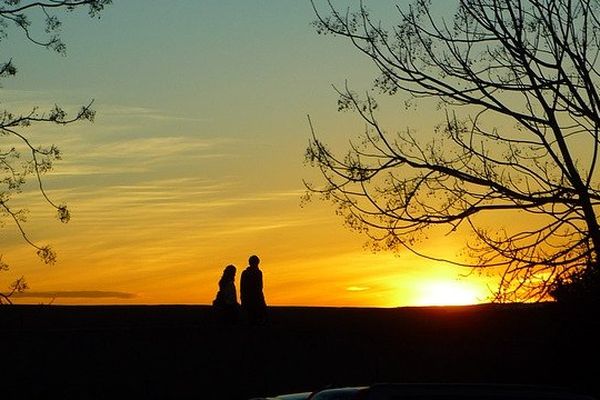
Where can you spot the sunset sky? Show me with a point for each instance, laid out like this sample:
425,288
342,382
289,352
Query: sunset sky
195,161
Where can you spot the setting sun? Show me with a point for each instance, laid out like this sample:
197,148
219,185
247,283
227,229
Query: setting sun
446,293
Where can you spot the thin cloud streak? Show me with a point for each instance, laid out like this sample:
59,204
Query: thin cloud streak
173,195
155,146
76,294
357,288
145,113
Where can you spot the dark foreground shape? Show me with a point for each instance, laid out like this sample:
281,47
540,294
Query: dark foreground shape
438,391
157,352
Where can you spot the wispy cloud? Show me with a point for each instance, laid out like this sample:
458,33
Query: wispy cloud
20,94
137,155
357,288
71,168
152,147
144,113
76,294
26,100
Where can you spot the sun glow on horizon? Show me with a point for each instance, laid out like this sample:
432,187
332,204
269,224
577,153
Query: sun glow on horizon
449,293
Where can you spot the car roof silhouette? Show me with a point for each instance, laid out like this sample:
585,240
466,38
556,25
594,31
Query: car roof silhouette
460,391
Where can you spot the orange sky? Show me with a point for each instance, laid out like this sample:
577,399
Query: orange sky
195,161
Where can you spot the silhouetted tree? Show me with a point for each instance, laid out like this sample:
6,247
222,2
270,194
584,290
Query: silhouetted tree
516,81
18,286
19,157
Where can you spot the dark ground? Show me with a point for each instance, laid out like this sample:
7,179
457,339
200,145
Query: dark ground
155,352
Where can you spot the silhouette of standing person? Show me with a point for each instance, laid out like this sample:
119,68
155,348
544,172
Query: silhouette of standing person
251,293
225,304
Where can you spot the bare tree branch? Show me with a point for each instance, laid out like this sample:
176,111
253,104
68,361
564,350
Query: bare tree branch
529,62
15,166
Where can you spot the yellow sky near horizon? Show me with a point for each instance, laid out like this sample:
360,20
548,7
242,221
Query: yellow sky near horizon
195,161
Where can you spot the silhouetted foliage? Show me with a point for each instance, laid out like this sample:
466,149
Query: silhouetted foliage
516,81
19,157
581,290
18,286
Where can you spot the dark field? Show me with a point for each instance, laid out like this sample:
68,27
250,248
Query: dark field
153,352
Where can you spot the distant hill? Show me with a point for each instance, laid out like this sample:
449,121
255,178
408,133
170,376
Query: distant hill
154,352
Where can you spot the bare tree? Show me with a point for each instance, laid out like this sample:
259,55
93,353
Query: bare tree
516,81
19,157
